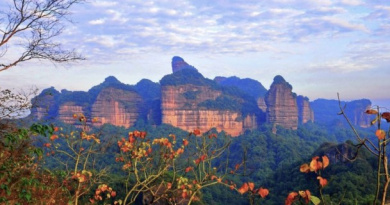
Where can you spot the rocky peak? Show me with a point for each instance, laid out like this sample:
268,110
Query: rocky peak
111,80
305,113
281,104
178,63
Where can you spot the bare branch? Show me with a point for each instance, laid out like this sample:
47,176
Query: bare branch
36,24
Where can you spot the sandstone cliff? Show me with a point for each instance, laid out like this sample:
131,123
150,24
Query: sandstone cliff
305,113
67,110
117,107
190,101
281,104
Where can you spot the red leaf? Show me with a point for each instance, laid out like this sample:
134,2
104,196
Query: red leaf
196,132
371,112
386,116
185,142
291,198
188,169
323,181
263,192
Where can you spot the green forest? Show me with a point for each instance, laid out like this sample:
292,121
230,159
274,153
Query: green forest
57,163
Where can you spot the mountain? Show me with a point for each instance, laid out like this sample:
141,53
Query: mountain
188,100
327,110
282,104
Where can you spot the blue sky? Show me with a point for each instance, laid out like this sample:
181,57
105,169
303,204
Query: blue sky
320,47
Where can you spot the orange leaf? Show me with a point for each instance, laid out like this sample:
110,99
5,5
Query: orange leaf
315,165
325,161
263,192
185,142
308,194
304,168
180,151
386,116
169,185
371,112
305,195
243,189
237,166
381,134
323,181
53,137
251,186
184,194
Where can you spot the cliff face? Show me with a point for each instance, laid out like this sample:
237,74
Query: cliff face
305,113
281,104
261,104
117,107
187,100
67,110
180,108
325,112
356,112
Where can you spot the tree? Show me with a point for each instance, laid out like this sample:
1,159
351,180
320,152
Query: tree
29,28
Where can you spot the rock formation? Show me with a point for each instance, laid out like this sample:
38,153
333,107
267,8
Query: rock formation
261,104
67,110
187,100
178,63
180,108
117,107
281,104
305,113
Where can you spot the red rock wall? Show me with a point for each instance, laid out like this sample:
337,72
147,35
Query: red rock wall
117,107
184,113
282,107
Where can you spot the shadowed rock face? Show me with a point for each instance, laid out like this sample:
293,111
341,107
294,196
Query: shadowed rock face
281,104
326,112
305,113
178,63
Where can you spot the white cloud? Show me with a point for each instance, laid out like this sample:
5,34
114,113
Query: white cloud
97,21
104,4
351,2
